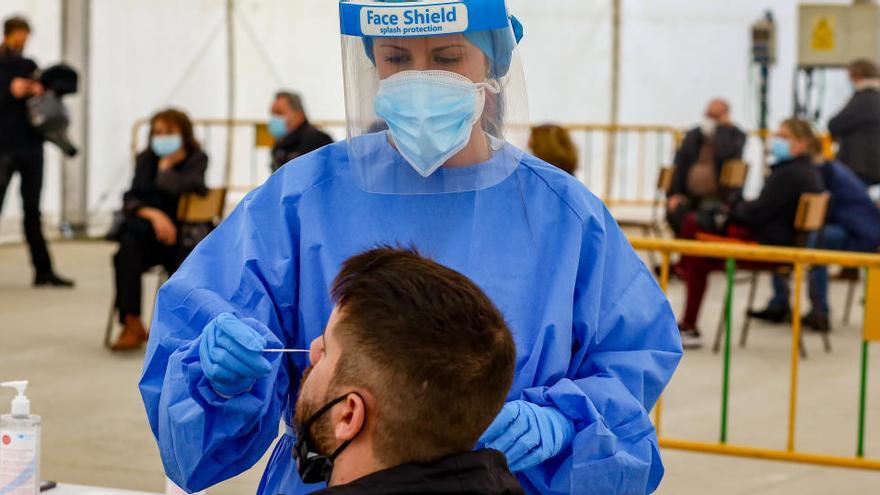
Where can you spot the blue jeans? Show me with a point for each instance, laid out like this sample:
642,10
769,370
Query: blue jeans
832,237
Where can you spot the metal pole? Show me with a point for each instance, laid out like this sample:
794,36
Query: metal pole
614,117
664,286
765,114
231,88
728,315
795,353
75,34
863,400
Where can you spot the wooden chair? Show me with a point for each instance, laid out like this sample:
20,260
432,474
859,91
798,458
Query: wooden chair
852,286
734,174
192,209
654,225
810,218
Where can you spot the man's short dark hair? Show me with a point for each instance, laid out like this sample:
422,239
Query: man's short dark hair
292,99
429,345
16,23
864,68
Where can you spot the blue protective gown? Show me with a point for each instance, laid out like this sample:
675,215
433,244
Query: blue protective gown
595,336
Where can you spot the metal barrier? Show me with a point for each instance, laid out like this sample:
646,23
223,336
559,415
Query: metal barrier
243,147
619,163
798,258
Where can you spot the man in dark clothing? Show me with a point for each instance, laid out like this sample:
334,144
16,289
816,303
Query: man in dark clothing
477,473
698,163
294,135
21,146
857,127
414,365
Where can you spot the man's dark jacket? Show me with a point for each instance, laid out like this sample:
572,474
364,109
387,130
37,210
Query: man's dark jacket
16,131
771,216
301,141
729,144
857,130
851,207
483,472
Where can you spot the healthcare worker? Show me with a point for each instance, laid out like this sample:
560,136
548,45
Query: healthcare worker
434,96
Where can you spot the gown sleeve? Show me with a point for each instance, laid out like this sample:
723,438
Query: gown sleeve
625,348
246,267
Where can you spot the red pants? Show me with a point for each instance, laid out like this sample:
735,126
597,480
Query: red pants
697,270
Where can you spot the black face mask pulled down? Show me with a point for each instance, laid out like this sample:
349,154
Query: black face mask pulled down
313,466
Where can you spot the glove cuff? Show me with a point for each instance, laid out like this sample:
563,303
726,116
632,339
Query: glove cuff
561,427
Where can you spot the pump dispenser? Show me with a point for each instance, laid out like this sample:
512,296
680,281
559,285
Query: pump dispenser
21,406
19,445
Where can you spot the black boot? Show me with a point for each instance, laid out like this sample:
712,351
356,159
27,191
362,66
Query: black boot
817,321
52,280
772,314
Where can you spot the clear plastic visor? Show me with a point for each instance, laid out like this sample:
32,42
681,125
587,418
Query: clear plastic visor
431,113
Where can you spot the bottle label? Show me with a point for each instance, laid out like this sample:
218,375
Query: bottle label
18,460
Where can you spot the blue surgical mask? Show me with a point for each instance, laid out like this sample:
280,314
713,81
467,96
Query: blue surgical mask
780,149
277,126
431,114
166,145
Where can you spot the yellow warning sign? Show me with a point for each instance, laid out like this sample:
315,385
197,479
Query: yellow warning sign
823,34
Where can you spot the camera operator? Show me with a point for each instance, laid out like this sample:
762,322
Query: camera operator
21,145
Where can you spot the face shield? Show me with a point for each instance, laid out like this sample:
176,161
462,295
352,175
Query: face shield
434,91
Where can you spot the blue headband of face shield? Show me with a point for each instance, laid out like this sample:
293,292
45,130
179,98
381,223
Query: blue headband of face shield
496,44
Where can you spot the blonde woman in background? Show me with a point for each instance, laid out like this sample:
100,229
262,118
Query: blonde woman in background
553,144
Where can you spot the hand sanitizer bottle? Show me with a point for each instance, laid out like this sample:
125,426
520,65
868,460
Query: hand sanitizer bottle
19,446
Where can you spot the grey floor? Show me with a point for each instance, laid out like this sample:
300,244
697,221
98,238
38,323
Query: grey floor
95,431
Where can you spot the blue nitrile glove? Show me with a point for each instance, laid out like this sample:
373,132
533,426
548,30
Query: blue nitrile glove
528,434
231,354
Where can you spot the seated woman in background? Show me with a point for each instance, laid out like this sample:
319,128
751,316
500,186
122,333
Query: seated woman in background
552,144
853,224
766,220
173,165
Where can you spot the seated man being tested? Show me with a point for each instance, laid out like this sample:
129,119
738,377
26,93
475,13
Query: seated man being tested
414,365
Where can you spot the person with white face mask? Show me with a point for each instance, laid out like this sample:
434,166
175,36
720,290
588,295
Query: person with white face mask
698,163
434,96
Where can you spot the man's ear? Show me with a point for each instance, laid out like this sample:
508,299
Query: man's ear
350,417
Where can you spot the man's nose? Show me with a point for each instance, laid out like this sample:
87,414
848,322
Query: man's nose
315,350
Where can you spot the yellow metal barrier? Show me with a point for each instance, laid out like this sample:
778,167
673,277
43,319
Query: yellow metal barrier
799,258
241,138
872,332
621,163
623,170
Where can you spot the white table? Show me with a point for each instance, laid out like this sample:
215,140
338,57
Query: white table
65,489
